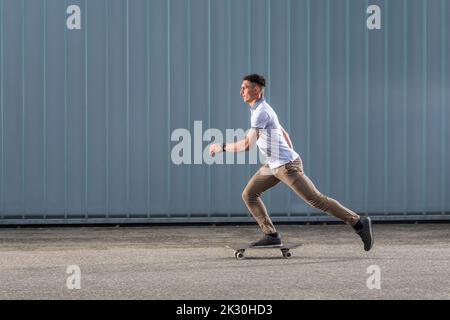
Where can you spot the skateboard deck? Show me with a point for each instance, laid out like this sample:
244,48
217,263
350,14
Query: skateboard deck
239,249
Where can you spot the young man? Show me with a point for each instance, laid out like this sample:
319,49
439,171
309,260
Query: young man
283,164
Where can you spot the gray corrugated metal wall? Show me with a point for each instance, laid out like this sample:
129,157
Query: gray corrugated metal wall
86,115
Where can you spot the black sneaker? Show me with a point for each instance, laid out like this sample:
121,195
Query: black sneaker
366,233
268,241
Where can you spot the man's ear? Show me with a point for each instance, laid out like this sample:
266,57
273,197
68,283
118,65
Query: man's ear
258,89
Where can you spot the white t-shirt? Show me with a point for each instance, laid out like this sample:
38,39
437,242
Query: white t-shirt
271,141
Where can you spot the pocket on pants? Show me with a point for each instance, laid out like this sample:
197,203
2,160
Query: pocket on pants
291,168
294,166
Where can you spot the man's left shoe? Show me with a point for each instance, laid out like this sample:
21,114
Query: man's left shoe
268,241
366,233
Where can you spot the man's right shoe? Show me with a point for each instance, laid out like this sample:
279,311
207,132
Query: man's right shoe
268,241
366,233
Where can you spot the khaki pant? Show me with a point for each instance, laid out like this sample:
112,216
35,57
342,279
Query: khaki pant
293,176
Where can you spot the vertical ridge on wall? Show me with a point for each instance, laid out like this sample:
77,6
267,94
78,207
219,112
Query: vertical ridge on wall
65,115
386,104
23,206
209,196
443,104
86,155
44,105
289,82
424,103
228,124
366,118
327,95
107,108
405,103
168,107
249,35
127,132
2,158
347,101
308,90
147,48
189,125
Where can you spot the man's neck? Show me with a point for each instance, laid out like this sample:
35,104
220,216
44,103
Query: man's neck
252,103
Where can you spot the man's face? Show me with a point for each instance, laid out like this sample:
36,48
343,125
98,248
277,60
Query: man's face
249,91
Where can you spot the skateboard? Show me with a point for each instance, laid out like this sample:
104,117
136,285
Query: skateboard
284,248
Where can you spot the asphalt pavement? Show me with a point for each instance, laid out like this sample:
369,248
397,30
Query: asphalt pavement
408,261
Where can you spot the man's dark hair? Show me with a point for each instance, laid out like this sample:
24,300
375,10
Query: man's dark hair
256,78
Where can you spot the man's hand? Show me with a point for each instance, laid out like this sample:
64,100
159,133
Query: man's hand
242,145
215,148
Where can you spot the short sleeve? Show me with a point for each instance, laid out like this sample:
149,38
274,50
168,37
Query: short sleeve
260,120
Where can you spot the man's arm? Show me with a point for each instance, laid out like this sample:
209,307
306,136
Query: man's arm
243,145
286,137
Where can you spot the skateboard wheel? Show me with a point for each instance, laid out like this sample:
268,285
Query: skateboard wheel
286,254
239,255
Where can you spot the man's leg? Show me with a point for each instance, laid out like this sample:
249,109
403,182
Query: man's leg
260,182
292,174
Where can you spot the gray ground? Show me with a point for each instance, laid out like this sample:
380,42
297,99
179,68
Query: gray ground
191,262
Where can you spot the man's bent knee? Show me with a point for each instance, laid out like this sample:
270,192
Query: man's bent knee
245,196
249,197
